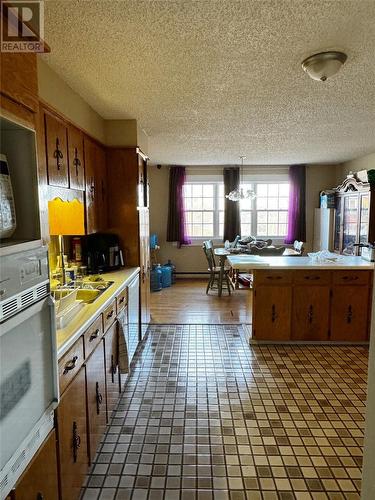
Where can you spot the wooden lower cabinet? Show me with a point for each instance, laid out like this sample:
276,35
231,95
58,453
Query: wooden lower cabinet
350,313
310,317
96,398
111,370
312,305
39,481
72,437
272,313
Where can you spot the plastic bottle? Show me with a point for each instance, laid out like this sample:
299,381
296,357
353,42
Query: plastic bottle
173,270
155,282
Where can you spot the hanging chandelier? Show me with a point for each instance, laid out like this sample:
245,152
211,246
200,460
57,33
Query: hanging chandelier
240,193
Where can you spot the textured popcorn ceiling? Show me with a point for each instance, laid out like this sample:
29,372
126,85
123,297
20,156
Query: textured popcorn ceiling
210,80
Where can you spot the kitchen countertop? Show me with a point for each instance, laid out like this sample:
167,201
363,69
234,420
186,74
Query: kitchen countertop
253,262
68,335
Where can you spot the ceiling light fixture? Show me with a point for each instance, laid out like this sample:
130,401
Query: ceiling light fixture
324,65
239,194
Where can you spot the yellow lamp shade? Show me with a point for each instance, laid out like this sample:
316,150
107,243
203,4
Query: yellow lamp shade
66,217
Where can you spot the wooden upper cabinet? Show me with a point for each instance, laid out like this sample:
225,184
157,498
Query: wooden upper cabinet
19,79
101,176
39,481
96,186
76,159
91,187
56,151
72,437
142,181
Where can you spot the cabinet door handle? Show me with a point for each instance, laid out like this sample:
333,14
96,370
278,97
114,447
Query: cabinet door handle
273,313
349,315
76,442
113,369
109,315
58,154
310,314
99,398
94,335
350,278
76,161
121,300
70,365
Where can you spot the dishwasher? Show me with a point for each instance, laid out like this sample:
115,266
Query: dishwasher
133,317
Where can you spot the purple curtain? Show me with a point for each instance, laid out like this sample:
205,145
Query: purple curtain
232,217
297,204
176,229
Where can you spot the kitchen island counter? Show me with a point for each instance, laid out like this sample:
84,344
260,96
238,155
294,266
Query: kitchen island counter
250,262
67,336
297,299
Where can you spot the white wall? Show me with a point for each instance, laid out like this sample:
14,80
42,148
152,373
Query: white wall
363,163
54,91
191,258
368,477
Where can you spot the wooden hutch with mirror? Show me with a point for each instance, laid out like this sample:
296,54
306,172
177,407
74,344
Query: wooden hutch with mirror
354,215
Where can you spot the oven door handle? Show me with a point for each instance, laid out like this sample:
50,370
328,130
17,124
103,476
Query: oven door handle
55,362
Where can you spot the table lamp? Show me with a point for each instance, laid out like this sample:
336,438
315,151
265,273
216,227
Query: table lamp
66,218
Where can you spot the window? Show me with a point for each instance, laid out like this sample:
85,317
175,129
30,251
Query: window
265,216
272,209
200,205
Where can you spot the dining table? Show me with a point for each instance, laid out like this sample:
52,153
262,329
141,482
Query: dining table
222,253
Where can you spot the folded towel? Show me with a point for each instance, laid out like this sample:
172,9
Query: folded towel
122,329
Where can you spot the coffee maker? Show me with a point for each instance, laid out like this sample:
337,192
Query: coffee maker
103,253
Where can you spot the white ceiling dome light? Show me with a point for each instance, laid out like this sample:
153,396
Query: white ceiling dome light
323,65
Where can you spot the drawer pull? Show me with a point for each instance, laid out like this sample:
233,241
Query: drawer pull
310,314
70,365
109,315
121,300
76,442
350,278
94,335
39,496
273,313
99,398
312,278
349,315
274,277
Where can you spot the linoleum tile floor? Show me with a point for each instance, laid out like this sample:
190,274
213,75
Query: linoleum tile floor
206,416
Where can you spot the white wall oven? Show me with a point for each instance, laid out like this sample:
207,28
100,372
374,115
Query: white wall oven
28,360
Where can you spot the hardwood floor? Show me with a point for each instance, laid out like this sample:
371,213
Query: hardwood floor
186,302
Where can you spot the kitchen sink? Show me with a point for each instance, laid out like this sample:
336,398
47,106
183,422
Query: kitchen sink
71,298
86,291
85,295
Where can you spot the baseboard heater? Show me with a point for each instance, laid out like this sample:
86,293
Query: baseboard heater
202,273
